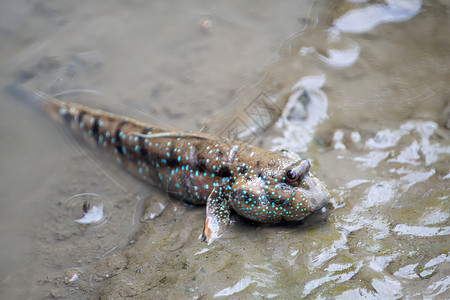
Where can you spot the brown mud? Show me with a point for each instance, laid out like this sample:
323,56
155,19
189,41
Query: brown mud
372,116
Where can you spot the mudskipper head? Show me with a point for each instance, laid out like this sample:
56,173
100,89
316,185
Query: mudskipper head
308,193
289,192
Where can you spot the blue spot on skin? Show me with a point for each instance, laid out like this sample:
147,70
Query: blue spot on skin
206,186
179,158
168,144
168,154
136,148
107,134
140,170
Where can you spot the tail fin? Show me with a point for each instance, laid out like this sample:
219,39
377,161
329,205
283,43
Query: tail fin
51,105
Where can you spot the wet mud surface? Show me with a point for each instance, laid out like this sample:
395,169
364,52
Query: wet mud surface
366,99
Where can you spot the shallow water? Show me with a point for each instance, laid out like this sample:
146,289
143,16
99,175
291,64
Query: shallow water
358,87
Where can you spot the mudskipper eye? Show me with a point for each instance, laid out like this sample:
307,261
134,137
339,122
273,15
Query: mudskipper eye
292,175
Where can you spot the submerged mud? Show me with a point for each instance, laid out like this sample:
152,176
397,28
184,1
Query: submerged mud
365,99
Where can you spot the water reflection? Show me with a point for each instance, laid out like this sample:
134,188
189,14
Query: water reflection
367,18
404,161
297,129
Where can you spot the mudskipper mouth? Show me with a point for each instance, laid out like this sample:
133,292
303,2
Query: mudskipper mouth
324,200
322,206
317,193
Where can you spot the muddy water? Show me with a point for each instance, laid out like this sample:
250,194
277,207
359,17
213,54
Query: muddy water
358,87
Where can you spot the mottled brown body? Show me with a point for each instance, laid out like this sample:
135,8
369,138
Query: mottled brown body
264,186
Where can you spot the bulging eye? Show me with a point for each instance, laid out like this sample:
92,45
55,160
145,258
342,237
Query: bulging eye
292,175
297,172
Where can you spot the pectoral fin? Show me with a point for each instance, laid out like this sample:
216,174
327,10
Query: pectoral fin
217,215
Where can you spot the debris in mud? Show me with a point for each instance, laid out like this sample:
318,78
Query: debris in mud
205,24
71,276
55,293
153,208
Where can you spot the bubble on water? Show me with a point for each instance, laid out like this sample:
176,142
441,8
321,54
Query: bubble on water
93,215
88,208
